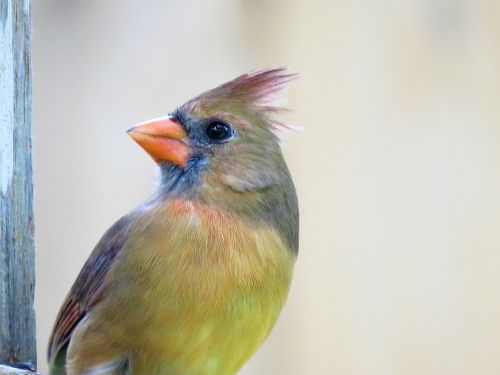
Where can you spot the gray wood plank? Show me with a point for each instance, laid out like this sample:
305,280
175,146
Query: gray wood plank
17,271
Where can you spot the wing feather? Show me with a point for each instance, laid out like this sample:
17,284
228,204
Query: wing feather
88,288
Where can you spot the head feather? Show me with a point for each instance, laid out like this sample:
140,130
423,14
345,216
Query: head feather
261,90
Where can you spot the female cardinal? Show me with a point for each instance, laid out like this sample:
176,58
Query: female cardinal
192,281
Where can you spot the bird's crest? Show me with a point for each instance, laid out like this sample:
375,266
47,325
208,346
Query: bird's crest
261,90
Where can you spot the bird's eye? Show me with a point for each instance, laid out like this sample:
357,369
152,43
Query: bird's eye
219,131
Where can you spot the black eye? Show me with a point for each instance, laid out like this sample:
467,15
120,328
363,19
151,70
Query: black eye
219,131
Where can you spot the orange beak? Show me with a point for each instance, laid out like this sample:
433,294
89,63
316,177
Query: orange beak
162,139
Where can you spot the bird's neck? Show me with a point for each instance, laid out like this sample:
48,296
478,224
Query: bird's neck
176,181
274,204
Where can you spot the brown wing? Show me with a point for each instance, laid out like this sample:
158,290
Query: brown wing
88,287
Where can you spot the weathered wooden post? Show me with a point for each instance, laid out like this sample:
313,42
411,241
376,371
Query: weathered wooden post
17,253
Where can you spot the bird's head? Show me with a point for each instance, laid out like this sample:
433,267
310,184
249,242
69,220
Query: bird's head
223,141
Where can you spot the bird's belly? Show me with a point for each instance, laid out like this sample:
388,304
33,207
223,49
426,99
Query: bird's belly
193,342
198,307
187,298
188,338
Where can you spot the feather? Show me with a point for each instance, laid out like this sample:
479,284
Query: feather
87,289
261,90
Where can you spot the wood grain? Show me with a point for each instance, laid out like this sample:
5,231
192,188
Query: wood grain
6,370
17,271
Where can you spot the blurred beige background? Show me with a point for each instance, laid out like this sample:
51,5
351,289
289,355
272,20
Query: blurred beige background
397,169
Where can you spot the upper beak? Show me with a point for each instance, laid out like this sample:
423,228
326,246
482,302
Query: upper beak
162,138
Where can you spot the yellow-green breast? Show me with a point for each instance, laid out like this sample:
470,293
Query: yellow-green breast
194,292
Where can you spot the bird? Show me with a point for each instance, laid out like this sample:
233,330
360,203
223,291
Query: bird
192,281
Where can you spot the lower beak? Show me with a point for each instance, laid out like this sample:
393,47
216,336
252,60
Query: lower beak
162,139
